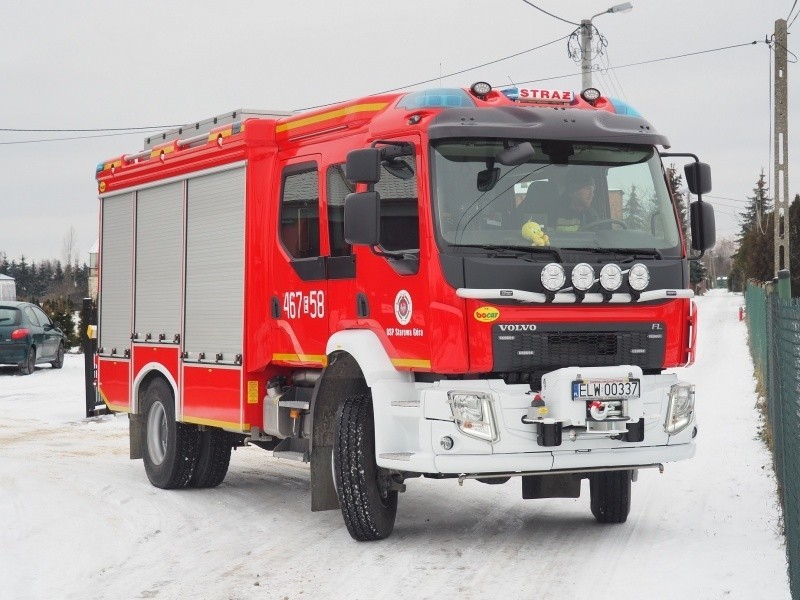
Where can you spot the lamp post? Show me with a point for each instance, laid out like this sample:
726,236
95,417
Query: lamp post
586,41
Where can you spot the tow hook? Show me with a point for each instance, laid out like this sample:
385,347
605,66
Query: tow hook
598,410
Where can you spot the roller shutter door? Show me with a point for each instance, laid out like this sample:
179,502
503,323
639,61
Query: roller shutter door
116,258
215,265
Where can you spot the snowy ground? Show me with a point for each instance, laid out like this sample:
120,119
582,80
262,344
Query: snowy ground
78,519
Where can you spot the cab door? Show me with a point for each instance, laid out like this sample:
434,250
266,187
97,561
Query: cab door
298,288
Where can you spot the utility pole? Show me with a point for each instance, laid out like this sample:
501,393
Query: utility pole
586,41
781,164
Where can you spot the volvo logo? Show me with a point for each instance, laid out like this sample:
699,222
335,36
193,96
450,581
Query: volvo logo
529,327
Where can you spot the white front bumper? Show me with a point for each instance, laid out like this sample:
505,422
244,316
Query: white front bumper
412,419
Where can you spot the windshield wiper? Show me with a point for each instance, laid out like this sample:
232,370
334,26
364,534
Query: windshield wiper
514,250
631,253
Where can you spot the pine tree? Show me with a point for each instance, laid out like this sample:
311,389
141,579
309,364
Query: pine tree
675,180
634,211
755,257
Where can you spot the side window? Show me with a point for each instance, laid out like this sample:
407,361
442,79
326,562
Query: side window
31,316
337,189
299,226
43,318
399,204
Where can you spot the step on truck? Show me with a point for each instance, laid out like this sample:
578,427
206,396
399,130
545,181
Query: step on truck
451,283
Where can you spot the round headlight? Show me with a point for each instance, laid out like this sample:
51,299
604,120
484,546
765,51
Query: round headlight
639,277
611,277
582,277
481,88
553,277
590,95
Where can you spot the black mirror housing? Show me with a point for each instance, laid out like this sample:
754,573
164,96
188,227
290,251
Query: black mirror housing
362,217
704,231
364,166
698,177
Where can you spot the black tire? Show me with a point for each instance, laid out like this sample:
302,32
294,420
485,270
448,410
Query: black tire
369,508
170,448
494,480
27,366
213,458
611,496
59,361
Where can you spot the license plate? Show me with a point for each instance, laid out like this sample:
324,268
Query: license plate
606,389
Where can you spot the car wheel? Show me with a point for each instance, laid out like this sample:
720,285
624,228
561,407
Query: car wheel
170,448
27,366
59,361
610,496
369,505
213,459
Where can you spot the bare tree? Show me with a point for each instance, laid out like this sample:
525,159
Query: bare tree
69,247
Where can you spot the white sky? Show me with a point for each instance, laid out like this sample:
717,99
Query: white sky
93,64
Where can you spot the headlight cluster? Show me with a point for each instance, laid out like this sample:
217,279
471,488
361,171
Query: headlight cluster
583,278
474,415
681,407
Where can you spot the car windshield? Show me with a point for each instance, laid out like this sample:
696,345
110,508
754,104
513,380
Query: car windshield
554,194
9,315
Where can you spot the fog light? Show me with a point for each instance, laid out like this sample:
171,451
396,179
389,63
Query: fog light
681,407
639,277
582,276
474,415
553,277
447,442
611,277
481,88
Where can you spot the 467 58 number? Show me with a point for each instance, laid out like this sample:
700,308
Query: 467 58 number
300,304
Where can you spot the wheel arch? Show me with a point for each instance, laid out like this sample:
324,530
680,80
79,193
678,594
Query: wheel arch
146,375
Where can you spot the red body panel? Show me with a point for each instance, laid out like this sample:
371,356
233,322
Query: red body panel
165,356
114,382
213,396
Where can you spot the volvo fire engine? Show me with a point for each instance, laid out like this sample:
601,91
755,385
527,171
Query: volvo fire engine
392,288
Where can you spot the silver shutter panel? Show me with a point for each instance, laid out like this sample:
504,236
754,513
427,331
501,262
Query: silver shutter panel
215,265
116,267
159,245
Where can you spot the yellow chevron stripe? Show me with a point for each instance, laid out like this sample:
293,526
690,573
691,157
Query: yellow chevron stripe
314,358
333,114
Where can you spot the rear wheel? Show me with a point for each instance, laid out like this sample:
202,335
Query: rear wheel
213,459
59,361
369,505
170,448
27,366
611,496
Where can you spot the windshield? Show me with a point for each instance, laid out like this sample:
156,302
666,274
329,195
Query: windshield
553,194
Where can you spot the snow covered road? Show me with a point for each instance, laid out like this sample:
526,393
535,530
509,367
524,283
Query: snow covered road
78,519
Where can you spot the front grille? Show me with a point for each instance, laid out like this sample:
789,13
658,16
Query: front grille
521,348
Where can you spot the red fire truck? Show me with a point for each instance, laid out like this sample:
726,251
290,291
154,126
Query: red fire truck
452,283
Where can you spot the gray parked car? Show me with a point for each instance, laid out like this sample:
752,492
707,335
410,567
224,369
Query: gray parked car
28,337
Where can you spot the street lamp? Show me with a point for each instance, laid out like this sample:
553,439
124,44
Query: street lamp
586,41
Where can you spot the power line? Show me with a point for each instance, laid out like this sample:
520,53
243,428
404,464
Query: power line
77,137
550,14
655,60
491,62
89,130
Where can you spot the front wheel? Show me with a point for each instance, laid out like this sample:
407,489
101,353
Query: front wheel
170,448
610,493
369,505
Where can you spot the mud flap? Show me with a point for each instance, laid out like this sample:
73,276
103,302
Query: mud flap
551,486
136,435
323,489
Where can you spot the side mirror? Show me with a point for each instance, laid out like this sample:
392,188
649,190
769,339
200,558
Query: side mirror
362,217
364,166
698,177
704,232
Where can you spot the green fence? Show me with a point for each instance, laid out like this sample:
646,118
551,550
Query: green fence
774,329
